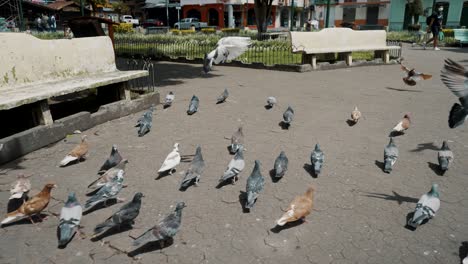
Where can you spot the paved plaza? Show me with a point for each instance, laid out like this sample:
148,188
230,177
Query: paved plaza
359,213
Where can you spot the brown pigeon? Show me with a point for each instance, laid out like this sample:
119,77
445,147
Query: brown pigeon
299,208
403,125
77,153
412,76
355,115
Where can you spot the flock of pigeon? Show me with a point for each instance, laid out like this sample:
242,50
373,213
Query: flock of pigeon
112,173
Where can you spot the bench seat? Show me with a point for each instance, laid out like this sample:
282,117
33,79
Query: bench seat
461,35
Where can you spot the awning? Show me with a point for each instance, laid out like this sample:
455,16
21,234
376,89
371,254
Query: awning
159,3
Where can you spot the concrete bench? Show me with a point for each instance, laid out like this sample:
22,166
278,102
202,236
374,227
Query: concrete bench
461,35
343,41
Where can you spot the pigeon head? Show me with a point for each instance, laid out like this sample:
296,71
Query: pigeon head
50,186
176,146
240,129
317,147
407,115
391,142
282,154
257,164
114,148
84,138
171,93
180,206
445,145
434,190
138,196
71,198
198,151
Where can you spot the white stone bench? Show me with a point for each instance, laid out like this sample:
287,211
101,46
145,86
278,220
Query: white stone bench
34,70
343,41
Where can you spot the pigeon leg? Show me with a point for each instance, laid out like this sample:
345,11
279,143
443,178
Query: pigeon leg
161,244
304,220
30,219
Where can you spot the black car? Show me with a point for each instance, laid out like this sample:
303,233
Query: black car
153,23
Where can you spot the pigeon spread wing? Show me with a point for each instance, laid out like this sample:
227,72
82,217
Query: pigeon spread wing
230,48
455,77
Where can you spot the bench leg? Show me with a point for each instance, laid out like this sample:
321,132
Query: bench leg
314,61
347,57
383,54
44,116
124,91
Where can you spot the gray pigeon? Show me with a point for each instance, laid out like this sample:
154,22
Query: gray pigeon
195,170
193,106
165,229
235,166
237,140
145,122
271,101
124,216
317,158
112,161
169,99
390,156
255,184
109,191
108,175
281,165
222,98
288,116
70,218
426,207
455,77
445,156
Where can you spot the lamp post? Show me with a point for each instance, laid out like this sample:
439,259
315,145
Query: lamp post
434,6
82,7
328,13
292,16
21,19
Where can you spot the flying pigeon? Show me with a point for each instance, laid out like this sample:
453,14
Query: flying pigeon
195,170
79,152
227,48
235,166
281,165
124,216
288,116
355,114
165,229
426,207
390,156
255,184
222,98
109,191
108,175
299,208
169,99
271,101
237,140
112,161
145,122
412,76
403,125
31,207
193,106
19,193
455,77
445,156
171,161
317,158
70,218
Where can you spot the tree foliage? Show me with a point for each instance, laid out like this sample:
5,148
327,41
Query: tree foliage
120,7
262,10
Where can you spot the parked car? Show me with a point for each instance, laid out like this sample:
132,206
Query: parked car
152,23
129,19
190,22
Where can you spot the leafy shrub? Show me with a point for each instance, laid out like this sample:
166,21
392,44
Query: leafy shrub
448,32
123,28
208,30
230,30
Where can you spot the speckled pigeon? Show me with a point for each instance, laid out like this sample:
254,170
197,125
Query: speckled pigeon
445,156
317,158
70,218
222,98
193,106
390,156
426,207
288,115
235,166
169,99
195,170
255,184
237,140
145,122
455,77
112,161
281,165
109,191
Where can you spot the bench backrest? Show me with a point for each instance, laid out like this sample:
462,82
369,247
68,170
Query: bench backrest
338,39
461,34
26,59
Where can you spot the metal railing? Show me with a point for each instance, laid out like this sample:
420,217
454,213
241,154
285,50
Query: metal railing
147,83
395,53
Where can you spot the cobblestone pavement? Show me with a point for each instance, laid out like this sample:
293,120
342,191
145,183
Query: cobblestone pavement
360,212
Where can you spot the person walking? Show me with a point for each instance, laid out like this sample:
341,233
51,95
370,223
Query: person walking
434,25
52,23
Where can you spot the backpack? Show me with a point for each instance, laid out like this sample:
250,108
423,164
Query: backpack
429,18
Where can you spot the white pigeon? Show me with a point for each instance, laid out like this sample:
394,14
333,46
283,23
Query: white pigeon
171,161
169,99
235,166
465,260
22,185
271,101
227,48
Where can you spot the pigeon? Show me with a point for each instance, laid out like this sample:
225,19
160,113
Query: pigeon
288,116
465,260
317,158
195,170
112,161
235,166
237,140
445,156
165,229
19,193
355,114
145,123
109,191
31,207
70,218
193,106
124,216
299,208
79,152
255,184
222,98
169,99
171,161
455,77
227,48
281,165
403,125
390,156
426,208
108,175
271,101
412,76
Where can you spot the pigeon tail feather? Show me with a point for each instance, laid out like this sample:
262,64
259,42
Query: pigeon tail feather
457,116
67,160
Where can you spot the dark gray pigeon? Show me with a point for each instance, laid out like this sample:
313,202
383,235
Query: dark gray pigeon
145,122
445,156
165,229
169,99
112,161
237,140
195,170
124,216
235,166
288,116
281,165
193,106
255,184
317,158
455,77
390,156
222,98
70,217
108,175
109,191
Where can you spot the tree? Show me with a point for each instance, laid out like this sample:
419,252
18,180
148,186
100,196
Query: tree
262,10
120,7
93,3
415,9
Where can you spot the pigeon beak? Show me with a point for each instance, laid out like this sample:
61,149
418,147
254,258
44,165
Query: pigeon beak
55,186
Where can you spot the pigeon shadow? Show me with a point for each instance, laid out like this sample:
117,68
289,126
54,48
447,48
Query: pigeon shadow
310,169
403,90
396,134
164,174
436,168
350,122
268,107
243,201
112,231
25,221
395,197
278,228
424,146
151,246
463,251
58,238
220,102
283,125
224,183
380,164
166,106
274,179
100,205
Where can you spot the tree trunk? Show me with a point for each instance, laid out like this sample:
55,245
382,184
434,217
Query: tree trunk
262,10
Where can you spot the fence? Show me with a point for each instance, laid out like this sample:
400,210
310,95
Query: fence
141,84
